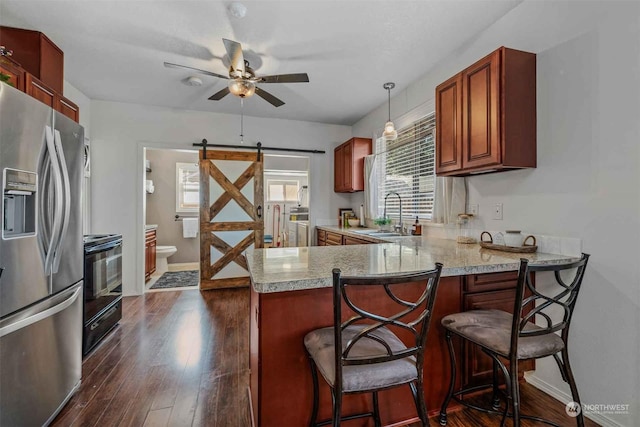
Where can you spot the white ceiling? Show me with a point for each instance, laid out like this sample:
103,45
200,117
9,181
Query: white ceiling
114,50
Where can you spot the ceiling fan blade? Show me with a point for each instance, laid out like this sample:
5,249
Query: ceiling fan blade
285,78
269,98
206,73
219,95
234,50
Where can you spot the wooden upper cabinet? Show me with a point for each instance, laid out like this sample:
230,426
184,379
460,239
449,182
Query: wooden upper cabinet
480,99
37,54
338,169
449,125
349,165
16,73
67,108
40,91
486,116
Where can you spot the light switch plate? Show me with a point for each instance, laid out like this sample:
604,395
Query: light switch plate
497,211
473,209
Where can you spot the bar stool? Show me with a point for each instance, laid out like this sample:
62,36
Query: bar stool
514,337
362,354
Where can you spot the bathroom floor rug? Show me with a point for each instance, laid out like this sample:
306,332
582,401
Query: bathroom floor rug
177,279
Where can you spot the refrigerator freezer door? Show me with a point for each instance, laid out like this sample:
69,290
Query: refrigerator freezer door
22,137
68,260
40,359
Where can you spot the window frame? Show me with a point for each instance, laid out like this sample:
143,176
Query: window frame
284,183
421,206
192,167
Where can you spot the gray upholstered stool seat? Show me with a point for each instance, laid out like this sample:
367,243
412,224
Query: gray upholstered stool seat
492,329
320,345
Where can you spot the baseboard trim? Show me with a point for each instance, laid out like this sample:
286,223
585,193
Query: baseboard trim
565,398
182,266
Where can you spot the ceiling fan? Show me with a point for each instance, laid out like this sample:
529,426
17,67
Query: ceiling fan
242,79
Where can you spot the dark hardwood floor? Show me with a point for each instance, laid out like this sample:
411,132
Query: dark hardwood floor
181,359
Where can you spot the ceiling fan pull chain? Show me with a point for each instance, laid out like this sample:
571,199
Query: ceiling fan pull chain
241,120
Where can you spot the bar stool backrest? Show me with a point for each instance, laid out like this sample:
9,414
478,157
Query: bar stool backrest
541,304
411,315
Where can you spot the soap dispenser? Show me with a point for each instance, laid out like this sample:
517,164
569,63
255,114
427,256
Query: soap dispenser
416,228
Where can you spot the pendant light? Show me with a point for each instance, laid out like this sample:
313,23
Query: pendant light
390,133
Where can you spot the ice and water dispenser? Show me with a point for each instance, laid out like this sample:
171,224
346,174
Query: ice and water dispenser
19,203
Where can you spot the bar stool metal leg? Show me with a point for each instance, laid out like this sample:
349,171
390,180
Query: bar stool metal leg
452,359
337,407
314,411
515,391
495,399
376,410
572,383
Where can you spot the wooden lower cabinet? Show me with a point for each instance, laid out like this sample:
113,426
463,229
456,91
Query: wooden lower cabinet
478,367
329,238
348,240
150,244
280,377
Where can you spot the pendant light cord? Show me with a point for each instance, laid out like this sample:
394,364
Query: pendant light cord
389,102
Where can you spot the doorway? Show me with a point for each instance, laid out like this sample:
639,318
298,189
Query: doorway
287,185
171,207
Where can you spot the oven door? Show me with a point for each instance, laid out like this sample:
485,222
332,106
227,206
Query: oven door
103,276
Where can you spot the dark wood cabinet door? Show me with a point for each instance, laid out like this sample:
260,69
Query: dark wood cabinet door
478,367
480,113
449,125
347,166
68,108
40,91
338,169
149,254
152,257
15,73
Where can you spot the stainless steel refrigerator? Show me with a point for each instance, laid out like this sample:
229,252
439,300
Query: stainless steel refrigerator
41,259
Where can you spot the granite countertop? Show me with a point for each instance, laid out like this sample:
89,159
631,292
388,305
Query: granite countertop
290,269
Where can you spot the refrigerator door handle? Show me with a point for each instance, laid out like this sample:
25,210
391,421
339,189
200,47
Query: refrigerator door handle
23,323
57,219
66,201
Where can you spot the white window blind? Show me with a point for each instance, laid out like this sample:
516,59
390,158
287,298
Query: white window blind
282,191
187,187
407,166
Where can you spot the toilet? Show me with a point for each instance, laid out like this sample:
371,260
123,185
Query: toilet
162,253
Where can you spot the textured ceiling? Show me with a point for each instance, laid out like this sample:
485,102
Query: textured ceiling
114,50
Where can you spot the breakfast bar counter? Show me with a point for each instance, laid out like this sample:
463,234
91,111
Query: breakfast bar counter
291,295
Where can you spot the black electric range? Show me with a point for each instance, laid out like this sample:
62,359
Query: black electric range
102,287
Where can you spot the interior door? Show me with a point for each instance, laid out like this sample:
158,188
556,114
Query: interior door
231,216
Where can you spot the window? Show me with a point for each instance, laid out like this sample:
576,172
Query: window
407,166
187,187
282,191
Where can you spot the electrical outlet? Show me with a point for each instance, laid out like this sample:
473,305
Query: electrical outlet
497,211
473,209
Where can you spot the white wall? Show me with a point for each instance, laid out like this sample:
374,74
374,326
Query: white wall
586,183
84,104
119,131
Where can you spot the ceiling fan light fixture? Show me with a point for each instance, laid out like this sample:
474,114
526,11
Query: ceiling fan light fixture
242,88
237,10
390,133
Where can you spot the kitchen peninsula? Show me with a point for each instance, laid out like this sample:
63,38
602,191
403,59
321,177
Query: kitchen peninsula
291,295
